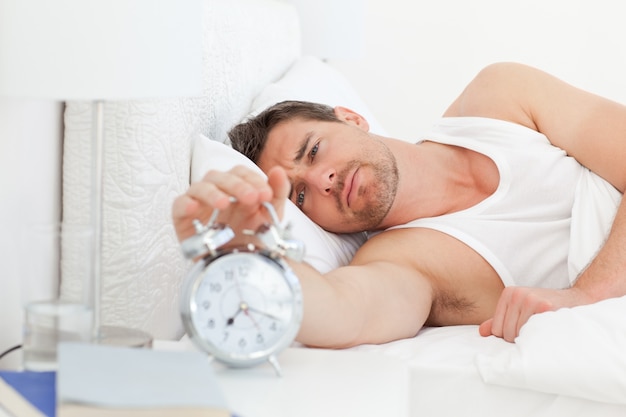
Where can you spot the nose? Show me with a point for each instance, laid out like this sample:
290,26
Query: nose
322,179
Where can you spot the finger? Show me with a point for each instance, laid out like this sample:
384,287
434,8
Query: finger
525,314
258,182
244,184
507,313
485,328
509,324
183,207
277,178
519,308
531,307
278,181
498,316
209,195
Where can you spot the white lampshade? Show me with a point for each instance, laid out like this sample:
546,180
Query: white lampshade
332,29
100,49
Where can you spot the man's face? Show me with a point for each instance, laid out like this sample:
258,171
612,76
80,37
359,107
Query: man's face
342,178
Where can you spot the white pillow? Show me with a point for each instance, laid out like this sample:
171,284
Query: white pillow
324,251
310,79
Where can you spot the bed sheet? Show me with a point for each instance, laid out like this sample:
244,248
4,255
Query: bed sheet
445,379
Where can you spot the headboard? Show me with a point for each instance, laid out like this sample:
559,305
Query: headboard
247,45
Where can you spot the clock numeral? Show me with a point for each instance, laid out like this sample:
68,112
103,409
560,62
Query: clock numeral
260,339
206,304
211,324
226,334
215,287
243,270
242,343
229,275
273,326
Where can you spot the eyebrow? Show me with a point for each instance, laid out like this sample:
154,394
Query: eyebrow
303,147
299,155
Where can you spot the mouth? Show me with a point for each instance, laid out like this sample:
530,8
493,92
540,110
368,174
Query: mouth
349,187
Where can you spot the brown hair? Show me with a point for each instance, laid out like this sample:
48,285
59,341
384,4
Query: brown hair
249,137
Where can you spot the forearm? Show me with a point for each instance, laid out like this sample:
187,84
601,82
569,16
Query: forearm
605,277
362,303
330,318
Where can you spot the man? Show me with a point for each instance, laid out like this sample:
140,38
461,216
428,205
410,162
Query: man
471,225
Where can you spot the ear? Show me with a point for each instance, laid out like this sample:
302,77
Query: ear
351,117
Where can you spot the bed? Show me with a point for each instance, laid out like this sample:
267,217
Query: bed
569,362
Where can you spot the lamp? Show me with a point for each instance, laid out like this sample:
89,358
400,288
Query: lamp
100,50
332,29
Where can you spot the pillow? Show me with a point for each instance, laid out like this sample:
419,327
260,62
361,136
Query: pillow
310,79
324,251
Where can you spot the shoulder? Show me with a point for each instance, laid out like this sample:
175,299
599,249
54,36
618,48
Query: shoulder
397,246
447,264
498,91
586,126
428,251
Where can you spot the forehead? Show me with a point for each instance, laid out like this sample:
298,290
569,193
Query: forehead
284,142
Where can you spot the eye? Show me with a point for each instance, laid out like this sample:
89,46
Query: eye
300,198
313,151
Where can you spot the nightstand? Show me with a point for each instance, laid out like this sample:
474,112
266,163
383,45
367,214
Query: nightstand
315,382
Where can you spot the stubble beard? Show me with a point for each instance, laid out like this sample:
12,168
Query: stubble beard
381,194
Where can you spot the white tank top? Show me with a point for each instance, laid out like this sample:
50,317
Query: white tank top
523,228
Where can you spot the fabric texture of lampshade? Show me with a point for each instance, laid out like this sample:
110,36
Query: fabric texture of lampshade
100,49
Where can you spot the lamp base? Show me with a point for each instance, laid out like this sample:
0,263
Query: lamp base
122,336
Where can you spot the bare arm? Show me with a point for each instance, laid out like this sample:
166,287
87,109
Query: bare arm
589,128
376,299
375,302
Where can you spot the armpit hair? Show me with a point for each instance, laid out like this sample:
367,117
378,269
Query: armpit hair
445,304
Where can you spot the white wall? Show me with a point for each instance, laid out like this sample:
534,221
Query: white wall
420,54
30,192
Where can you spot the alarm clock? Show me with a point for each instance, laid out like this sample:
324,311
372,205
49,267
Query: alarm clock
242,305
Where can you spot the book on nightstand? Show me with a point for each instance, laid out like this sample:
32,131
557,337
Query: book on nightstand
27,394
111,381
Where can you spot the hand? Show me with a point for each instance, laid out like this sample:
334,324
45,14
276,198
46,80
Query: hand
517,304
249,189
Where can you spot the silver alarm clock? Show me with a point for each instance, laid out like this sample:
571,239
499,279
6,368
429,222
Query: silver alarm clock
242,305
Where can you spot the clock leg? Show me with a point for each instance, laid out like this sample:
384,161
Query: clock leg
272,359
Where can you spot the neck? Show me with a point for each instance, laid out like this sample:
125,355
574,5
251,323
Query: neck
435,179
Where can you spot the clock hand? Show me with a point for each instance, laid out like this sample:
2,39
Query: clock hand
263,313
231,320
245,307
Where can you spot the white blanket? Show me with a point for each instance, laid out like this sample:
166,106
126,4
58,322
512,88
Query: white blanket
579,352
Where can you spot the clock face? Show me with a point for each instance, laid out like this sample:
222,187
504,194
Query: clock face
244,307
